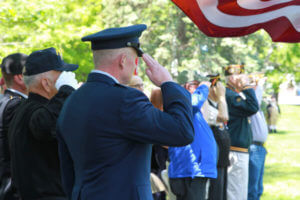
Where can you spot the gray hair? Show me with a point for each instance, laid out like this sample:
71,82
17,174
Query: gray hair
30,80
33,80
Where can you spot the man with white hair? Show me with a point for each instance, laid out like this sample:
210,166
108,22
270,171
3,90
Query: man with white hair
32,136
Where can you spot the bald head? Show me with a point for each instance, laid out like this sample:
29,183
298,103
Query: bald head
120,63
108,57
136,82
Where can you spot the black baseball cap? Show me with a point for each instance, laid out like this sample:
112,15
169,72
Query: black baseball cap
46,60
14,63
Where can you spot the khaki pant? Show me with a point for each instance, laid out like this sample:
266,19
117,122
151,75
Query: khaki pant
156,184
237,180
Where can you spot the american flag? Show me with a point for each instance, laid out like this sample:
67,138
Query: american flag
233,18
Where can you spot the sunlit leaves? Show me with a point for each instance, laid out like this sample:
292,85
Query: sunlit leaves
171,37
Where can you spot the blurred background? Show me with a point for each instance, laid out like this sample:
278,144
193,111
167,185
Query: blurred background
173,40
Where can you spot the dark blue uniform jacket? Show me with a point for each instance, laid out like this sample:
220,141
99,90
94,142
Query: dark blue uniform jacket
105,132
239,112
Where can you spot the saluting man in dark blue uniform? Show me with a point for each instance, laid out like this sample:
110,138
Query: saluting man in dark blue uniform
106,129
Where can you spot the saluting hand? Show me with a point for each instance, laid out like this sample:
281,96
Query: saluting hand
66,78
219,90
243,80
156,73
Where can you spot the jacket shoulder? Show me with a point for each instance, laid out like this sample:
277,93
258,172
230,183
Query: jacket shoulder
12,105
121,86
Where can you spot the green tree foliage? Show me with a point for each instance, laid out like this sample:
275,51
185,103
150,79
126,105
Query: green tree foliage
171,37
28,25
284,59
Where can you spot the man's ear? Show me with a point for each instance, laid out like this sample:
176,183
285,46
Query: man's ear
46,85
19,80
122,60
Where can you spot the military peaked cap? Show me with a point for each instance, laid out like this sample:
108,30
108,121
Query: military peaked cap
114,38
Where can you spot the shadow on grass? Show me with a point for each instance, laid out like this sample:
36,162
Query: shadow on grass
277,173
280,132
283,132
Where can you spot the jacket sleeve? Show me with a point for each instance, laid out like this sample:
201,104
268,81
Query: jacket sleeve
199,96
244,107
7,115
9,112
66,166
43,120
144,123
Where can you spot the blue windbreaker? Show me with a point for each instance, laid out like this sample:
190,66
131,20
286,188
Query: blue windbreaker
198,159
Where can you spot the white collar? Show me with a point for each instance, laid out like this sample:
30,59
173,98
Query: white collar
18,92
104,73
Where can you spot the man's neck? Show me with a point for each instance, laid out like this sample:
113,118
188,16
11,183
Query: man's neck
23,94
19,89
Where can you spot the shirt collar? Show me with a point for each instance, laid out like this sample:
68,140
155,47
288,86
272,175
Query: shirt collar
104,73
18,92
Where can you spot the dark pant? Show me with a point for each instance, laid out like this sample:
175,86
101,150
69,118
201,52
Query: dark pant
188,188
7,190
218,187
159,196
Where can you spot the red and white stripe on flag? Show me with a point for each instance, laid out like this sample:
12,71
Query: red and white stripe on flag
232,18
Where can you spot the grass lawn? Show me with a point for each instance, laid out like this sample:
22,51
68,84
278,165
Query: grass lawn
282,170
